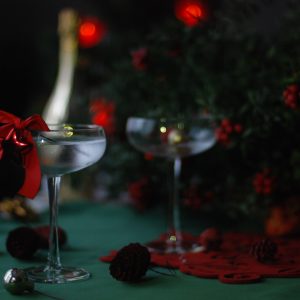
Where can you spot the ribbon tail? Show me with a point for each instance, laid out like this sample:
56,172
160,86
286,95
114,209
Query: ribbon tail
33,175
6,117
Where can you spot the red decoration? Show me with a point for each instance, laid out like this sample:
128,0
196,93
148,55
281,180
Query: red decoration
91,32
284,219
18,132
103,114
141,193
291,96
174,52
190,12
232,263
263,182
139,59
226,130
148,156
194,199
210,239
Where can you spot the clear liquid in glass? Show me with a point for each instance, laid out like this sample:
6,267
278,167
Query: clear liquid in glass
62,156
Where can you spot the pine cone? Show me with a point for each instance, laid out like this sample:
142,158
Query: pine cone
131,263
22,242
264,251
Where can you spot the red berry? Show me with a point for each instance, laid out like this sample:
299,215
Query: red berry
238,128
139,58
225,123
228,129
291,96
267,190
263,183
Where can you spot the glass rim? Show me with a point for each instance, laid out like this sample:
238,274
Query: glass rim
69,126
173,119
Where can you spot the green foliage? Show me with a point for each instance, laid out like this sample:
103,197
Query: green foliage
224,66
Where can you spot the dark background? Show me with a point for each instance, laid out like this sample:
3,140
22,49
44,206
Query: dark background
29,44
29,51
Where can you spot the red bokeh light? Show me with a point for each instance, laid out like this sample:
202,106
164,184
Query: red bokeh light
190,12
91,32
101,118
103,114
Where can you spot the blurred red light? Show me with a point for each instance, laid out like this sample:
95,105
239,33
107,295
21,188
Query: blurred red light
91,32
190,12
87,29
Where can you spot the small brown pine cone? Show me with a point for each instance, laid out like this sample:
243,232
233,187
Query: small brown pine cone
264,250
22,242
131,263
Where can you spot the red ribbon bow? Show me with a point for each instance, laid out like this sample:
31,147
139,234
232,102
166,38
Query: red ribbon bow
18,132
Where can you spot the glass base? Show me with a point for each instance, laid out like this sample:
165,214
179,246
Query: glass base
174,243
63,275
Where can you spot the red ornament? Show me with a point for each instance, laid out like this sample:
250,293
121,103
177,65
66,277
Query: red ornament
139,59
210,239
291,96
190,12
263,182
103,114
18,132
91,32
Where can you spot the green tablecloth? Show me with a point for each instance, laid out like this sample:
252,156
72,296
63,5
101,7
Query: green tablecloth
95,229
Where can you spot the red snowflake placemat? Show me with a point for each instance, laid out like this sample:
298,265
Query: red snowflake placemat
233,262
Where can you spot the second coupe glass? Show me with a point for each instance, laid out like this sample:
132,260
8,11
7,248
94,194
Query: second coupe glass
172,139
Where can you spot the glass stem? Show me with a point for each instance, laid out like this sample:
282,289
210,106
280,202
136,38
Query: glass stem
174,220
53,255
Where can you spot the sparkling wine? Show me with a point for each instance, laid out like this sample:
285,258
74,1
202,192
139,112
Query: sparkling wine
64,148
62,156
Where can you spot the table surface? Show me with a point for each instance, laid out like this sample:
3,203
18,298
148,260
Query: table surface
94,229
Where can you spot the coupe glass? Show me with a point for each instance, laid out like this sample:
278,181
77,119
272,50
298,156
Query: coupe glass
172,139
62,150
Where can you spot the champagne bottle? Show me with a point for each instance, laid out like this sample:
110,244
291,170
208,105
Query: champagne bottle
57,107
